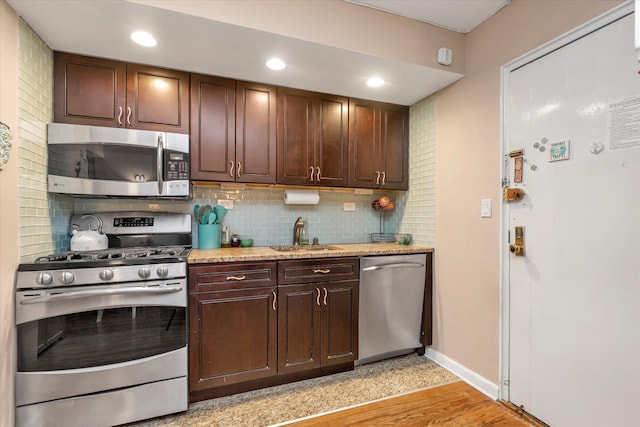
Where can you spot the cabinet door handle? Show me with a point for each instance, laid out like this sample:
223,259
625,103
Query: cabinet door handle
275,297
384,177
120,116
318,297
231,167
129,116
318,174
311,169
326,292
236,278
321,270
239,170
377,177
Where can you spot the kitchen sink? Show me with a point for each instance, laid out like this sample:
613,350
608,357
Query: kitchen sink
305,248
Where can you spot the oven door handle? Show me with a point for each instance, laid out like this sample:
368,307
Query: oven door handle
139,290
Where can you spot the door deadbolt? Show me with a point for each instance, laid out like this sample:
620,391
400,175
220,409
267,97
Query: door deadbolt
512,194
517,248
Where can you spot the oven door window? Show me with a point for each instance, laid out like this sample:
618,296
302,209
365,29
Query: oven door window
100,337
111,162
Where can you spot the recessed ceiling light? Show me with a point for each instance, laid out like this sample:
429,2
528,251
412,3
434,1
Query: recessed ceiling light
143,38
276,64
375,81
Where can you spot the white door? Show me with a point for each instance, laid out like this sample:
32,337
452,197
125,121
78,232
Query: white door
574,297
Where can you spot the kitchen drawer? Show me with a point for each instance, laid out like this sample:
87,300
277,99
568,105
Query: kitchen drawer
318,270
218,277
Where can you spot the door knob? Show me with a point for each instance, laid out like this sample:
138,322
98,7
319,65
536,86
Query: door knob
517,248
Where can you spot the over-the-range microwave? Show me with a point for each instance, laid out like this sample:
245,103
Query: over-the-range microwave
93,161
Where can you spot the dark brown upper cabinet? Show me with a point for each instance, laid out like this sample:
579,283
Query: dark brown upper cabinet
379,145
312,138
233,130
101,92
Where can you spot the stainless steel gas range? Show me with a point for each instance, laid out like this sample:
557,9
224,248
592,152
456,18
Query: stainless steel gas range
102,335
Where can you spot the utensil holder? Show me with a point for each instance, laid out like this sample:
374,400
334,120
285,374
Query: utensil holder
208,236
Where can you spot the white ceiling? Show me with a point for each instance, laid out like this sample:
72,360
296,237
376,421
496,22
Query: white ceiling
457,15
101,28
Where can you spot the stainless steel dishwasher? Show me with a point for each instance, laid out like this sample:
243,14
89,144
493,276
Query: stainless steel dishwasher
391,300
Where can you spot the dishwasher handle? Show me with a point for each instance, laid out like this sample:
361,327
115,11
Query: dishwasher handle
394,265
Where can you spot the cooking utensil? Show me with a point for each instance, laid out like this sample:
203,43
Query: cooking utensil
220,211
212,218
200,214
205,214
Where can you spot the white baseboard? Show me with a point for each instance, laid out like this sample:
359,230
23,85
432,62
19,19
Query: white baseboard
473,379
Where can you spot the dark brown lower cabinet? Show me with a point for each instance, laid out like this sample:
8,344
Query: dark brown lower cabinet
233,337
249,331
317,325
232,325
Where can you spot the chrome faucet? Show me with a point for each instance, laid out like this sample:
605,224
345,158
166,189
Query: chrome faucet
297,226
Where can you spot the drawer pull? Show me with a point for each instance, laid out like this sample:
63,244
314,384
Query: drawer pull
236,278
275,297
321,270
318,297
326,292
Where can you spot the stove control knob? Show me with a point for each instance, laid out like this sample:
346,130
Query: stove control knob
144,272
106,274
44,279
162,271
67,277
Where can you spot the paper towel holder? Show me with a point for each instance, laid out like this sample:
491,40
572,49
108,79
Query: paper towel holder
301,197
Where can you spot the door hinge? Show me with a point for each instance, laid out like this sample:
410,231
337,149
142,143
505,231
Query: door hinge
505,182
506,382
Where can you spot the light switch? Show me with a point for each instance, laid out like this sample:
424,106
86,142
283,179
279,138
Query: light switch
485,208
349,206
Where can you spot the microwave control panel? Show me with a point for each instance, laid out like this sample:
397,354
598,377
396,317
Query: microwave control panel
176,166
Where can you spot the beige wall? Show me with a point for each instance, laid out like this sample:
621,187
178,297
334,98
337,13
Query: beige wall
8,209
334,23
467,276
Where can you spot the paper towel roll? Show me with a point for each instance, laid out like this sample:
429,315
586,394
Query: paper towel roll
301,197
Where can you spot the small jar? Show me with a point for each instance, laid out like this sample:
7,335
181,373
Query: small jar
235,240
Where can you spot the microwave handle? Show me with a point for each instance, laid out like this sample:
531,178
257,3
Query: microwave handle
160,164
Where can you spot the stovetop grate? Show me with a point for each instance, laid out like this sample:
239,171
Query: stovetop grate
115,254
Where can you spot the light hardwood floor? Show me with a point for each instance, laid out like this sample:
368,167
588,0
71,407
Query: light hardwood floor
456,404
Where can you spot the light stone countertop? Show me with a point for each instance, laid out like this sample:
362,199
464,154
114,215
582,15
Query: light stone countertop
264,253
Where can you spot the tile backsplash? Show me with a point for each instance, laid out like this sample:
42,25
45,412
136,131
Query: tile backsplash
260,213
44,217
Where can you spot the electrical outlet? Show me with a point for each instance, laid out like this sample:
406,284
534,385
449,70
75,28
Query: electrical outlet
349,206
226,203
